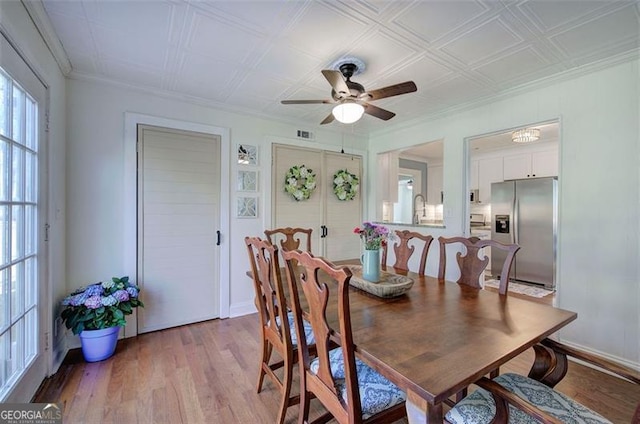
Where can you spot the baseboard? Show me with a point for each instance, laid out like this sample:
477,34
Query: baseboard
72,341
58,358
613,358
243,308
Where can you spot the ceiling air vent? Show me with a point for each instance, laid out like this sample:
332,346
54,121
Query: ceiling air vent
305,135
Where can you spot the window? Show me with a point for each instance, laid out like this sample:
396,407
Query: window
18,231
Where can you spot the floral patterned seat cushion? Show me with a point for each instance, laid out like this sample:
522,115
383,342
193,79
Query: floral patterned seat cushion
479,407
308,331
376,392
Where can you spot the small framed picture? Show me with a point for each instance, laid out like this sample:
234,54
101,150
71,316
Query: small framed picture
247,181
247,207
247,154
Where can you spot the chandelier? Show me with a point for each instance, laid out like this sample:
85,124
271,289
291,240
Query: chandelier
525,135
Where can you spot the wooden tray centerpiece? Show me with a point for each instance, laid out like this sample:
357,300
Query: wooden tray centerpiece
390,285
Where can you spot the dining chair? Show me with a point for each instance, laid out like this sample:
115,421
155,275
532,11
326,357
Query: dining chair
514,398
472,266
403,251
350,391
290,238
276,322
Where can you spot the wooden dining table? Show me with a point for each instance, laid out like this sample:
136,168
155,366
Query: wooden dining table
440,337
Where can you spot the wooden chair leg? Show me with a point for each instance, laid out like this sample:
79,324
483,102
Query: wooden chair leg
287,379
303,413
264,362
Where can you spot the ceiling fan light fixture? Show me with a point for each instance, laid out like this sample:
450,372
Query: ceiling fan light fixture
348,112
525,135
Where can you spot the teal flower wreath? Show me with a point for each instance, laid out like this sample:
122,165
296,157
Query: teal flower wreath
345,185
300,182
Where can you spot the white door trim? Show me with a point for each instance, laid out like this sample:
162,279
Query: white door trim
130,199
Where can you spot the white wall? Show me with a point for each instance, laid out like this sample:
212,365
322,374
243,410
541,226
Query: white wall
598,263
16,23
96,218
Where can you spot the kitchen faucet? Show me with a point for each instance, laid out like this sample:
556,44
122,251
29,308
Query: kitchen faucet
416,218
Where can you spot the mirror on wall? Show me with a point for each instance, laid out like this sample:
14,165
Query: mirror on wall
410,184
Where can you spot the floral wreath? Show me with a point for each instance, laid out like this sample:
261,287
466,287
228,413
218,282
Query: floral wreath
345,185
300,182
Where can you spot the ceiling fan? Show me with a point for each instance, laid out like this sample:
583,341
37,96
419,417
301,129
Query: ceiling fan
351,99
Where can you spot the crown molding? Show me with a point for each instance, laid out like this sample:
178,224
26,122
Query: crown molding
40,19
363,132
521,89
203,102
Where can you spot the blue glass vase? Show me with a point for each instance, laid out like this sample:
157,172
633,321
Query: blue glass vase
371,265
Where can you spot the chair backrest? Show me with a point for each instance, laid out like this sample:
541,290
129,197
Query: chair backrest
290,238
471,265
316,291
270,298
403,251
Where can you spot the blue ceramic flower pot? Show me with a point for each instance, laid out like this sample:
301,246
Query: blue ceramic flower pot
98,345
371,265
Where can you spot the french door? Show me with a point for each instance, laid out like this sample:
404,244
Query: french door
332,220
178,227
23,306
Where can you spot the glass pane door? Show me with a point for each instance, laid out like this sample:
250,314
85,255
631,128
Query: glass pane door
18,231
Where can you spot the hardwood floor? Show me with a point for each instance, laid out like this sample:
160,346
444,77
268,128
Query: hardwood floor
206,373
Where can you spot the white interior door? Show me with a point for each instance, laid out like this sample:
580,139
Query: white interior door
178,221
289,212
323,207
342,216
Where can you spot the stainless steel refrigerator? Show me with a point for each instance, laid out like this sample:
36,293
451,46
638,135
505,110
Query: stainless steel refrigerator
525,212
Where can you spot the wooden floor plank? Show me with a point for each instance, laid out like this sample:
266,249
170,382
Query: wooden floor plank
206,373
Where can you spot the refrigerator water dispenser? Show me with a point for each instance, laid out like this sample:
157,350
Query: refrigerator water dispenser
502,224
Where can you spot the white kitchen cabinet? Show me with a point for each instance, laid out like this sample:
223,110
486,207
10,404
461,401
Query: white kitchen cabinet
517,166
387,188
490,171
434,185
545,164
531,165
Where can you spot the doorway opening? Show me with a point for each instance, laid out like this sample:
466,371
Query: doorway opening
497,160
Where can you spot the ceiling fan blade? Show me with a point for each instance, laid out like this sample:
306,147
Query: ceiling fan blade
392,90
328,119
336,80
378,112
305,102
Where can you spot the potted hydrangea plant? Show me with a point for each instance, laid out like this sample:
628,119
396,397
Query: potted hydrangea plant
97,312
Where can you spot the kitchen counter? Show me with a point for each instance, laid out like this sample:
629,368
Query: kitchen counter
428,224
484,233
